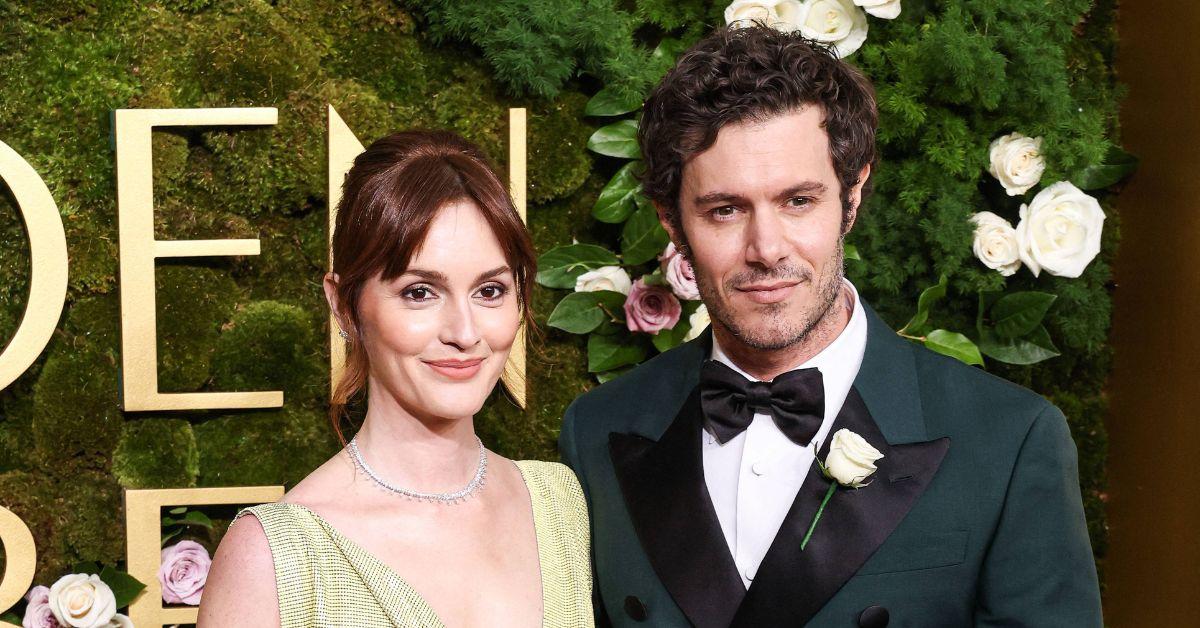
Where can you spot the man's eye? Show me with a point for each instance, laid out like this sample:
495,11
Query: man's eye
799,201
724,212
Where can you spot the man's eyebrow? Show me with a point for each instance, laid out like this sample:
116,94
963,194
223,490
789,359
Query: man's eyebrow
802,188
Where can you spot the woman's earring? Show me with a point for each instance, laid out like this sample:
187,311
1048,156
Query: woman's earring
345,336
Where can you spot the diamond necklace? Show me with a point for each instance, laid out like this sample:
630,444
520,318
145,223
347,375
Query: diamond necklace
444,498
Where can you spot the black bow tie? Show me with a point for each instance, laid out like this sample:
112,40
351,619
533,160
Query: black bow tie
795,400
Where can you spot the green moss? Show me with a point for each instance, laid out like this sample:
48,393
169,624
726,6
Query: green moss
38,501
558,165
193,302
269,345
157,453
264,447
76,420
91,520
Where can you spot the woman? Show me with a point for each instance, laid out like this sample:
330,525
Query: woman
415,523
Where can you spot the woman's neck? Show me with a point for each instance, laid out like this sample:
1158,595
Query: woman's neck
419,454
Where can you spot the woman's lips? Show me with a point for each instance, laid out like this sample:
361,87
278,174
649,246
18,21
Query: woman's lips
456,369
769,293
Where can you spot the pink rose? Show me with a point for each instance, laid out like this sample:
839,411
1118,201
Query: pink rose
183,572
39,614
678,272
651,308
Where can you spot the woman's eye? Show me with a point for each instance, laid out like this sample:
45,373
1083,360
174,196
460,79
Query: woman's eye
418,293
492,292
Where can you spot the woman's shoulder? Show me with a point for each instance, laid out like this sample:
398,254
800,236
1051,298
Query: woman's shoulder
553,483
555,473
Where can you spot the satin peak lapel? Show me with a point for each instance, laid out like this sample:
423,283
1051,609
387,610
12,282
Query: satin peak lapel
793,585
663,485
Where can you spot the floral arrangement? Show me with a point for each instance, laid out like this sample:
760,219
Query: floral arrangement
91,597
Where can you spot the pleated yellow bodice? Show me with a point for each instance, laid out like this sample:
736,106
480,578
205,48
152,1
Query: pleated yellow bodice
325,579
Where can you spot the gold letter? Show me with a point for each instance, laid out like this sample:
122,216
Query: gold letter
143,541
343,148
20,557
48,254
135,203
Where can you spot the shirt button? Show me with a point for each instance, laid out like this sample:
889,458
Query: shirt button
758,468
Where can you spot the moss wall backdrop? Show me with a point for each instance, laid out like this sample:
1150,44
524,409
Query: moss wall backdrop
951,75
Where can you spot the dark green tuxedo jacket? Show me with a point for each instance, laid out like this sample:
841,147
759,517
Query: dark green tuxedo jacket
974,517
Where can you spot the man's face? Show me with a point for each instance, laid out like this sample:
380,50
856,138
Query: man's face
762,216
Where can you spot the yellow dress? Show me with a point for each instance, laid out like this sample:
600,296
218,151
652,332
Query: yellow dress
325,579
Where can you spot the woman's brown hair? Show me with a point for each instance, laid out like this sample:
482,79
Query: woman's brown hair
389,200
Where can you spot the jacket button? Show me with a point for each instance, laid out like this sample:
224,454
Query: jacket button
873,617
635,609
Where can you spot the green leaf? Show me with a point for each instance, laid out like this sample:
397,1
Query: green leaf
167,536
1032,349
192,518
178,510
618,139
925,302
1015,315
852,253
987,298
88,567
11,618
610,102
617,200
1116,165
668,339
583,312
643,237
954,345
610,351
124,586
560,267
608,376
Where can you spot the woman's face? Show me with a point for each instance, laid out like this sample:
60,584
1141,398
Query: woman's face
438,336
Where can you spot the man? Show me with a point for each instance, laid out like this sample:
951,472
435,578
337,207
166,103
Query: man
700,465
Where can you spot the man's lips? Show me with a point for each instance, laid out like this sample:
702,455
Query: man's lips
456,369
773,292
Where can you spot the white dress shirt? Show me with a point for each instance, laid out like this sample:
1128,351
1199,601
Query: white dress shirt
753,478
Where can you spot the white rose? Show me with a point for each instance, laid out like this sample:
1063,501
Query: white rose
747,12
604,278
851,459
697,322
1017,162
1060,230
835,22
996,243
82,601
886,9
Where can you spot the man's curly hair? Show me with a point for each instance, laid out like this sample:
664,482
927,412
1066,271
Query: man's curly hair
752,74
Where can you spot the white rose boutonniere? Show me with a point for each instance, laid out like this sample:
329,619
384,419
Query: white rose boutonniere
850,462
697,322
1060,230
835,22
885,9
82,601
1017,162
604,278
996,243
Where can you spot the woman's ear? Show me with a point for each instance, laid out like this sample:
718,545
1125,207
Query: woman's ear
330,285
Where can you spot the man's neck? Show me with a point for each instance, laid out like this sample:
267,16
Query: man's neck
767,364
